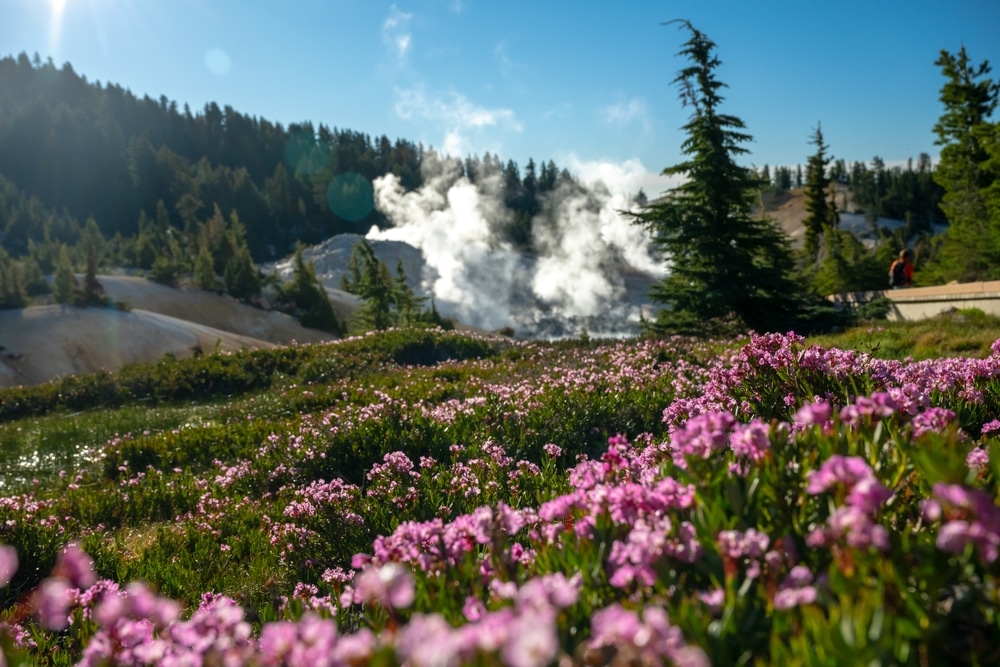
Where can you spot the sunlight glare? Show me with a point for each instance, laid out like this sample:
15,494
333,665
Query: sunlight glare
55,27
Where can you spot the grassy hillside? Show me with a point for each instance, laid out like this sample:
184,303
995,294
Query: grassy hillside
966,333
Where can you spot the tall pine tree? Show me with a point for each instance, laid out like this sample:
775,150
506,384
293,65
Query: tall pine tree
971,245
728,270
821,213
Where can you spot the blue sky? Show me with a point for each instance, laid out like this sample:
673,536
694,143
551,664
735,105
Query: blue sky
583,83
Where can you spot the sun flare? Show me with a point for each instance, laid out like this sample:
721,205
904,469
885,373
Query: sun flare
55,24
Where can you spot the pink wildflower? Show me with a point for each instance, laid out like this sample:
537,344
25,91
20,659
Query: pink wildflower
932,419
972,518
531,640
391,585
978,457
53,600
713,599
703,434
75,566
473,609
813,414
751,441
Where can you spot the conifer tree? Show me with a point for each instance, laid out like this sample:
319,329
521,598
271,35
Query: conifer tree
64,279
164,270
241,277
34,280
93,291
204,271
783,178
369,278
408,305
727,269
307,295
12,294
820,217
971,245
145,252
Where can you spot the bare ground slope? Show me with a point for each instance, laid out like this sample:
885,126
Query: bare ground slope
209,309
45,342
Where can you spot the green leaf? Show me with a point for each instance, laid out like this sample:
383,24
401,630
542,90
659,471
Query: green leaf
847,630
875,629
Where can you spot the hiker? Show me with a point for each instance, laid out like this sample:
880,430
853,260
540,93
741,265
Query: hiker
901,271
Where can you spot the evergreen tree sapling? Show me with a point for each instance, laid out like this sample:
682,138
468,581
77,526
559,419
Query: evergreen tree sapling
727,269
241,277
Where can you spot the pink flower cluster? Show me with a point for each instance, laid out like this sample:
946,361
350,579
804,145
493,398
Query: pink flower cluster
968,516
390,585
702,435
796,589
58,595
522,635
863,495
321,497
433,545
142,629
751,545
866,409
646,639
716,431
311,642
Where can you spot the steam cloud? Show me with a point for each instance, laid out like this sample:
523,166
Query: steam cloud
591,267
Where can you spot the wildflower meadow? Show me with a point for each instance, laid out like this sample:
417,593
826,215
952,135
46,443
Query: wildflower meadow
434,498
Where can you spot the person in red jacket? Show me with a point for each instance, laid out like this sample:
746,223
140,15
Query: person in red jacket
901,271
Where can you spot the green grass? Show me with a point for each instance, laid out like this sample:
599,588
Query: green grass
962,333
38,447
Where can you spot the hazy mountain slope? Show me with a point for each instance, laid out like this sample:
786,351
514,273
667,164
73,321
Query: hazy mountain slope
40,343
209,309
45,342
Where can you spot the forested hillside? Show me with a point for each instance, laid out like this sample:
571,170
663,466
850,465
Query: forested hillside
150,174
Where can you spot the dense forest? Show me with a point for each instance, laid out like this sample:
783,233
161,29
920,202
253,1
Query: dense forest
145,180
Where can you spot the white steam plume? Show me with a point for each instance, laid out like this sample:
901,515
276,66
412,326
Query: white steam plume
591,267
471,273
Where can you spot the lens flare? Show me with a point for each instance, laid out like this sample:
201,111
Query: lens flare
217,61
